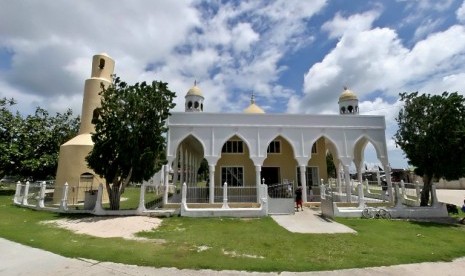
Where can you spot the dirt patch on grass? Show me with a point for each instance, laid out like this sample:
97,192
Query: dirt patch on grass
109,227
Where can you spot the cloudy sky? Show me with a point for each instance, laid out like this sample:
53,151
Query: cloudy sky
295,56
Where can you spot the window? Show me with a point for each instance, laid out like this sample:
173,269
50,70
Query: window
274,147
233,147
314,151
189,105
196,105
234,176
312,176
101,64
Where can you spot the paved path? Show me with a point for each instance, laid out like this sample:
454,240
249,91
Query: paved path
310,221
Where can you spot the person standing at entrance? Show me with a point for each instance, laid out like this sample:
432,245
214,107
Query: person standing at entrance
298,198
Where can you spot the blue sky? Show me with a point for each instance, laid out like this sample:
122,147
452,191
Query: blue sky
295,56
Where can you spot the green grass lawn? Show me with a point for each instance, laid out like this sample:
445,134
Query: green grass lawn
242,244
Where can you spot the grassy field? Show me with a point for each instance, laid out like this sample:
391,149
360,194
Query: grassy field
242,244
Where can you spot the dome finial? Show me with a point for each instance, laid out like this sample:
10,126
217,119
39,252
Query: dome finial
345,87
252,99
195,82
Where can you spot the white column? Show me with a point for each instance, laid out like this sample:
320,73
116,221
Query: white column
182,168
387,171
26,192
258,169
175,171
211,171
347,181
166,171
339,180
141,207
303,181
225,196
40,202
64,198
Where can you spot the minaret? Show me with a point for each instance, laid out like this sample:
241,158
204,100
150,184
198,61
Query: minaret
348,102
72,166
194,99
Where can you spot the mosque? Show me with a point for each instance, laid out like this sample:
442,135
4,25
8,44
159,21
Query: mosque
242,149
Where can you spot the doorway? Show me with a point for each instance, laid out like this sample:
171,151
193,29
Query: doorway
271,175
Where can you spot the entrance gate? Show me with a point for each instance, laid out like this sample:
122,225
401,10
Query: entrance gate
281,199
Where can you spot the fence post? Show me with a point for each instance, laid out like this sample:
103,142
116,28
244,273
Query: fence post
361,196
368,186
64,198
98,209
418,192
398,196
322,191
141,207
17,193
184,193
26,192
40,202
225,196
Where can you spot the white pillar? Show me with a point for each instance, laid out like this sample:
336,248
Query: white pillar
141,207
166,171
339,180
17,193
361,196
26,192
387,171
175,171
40,202
182,168
303,181
225,196
258,169
64,198
211,171
347,181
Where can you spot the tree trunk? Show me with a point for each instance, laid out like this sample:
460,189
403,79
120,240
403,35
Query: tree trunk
114,194
426,191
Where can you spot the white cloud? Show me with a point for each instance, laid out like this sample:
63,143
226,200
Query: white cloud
353,24
427,27
461,13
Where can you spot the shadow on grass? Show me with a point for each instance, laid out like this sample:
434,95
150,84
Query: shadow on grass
446,222
7,192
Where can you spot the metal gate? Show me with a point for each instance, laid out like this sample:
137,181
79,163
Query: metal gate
280,199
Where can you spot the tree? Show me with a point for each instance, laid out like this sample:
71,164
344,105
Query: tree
40,140
330,168
129,139
9,126
432,135
29,146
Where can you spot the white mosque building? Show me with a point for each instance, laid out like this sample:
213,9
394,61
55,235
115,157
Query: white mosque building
249,148
242,149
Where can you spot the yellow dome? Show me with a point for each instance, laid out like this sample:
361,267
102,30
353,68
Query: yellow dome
347,95
253,108
194,91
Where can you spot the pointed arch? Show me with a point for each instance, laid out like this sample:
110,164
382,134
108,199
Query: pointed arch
362,141
195,138
242,138
284,137
328,140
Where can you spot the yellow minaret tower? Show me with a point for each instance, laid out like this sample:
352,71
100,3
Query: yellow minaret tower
72,166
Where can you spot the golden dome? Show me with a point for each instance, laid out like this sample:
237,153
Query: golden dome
253,108
194,91
347,95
